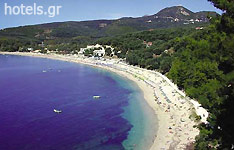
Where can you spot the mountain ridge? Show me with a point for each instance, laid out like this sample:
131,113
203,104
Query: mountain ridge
175,16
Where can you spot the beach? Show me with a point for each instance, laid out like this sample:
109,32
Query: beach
175,111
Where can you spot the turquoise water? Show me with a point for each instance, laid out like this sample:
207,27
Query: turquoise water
140,115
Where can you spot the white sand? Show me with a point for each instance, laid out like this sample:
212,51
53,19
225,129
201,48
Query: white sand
172,107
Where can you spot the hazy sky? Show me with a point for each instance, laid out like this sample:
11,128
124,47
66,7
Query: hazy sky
78,10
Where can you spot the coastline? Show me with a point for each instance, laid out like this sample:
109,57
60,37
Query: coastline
175,129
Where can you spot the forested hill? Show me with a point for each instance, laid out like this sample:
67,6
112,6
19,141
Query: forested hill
176,16
201,62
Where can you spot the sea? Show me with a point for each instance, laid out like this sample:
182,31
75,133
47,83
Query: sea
31,88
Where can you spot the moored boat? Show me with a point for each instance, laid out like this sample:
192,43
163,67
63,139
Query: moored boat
57,111
96,97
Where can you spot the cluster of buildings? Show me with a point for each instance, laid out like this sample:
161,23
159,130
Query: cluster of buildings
192,21
98,50
186,21
43,49
39,50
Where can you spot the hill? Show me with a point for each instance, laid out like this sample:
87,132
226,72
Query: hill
176,16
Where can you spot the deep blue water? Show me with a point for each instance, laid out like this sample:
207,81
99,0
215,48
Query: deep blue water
28,96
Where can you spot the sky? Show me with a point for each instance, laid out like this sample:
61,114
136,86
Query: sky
80,10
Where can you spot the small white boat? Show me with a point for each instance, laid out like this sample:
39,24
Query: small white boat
96,97
57,111
44,71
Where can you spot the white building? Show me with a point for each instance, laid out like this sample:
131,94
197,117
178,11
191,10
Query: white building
99,53
93,46
176,19
149,21
30,49
99,50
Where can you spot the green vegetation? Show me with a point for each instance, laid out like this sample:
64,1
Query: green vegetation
68,37
137,51
195,117
201,62
88,52
203,66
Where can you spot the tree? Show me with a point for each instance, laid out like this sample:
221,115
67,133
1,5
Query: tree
108,51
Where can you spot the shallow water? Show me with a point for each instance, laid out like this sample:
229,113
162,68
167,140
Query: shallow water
30,88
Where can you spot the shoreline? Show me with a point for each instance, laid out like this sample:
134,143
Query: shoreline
174,129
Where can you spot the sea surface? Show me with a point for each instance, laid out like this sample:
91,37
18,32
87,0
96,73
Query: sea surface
31,88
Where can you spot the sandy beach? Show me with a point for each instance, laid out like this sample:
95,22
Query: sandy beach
175,111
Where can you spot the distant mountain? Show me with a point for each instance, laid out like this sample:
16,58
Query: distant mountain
176,16
175,12
183,14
